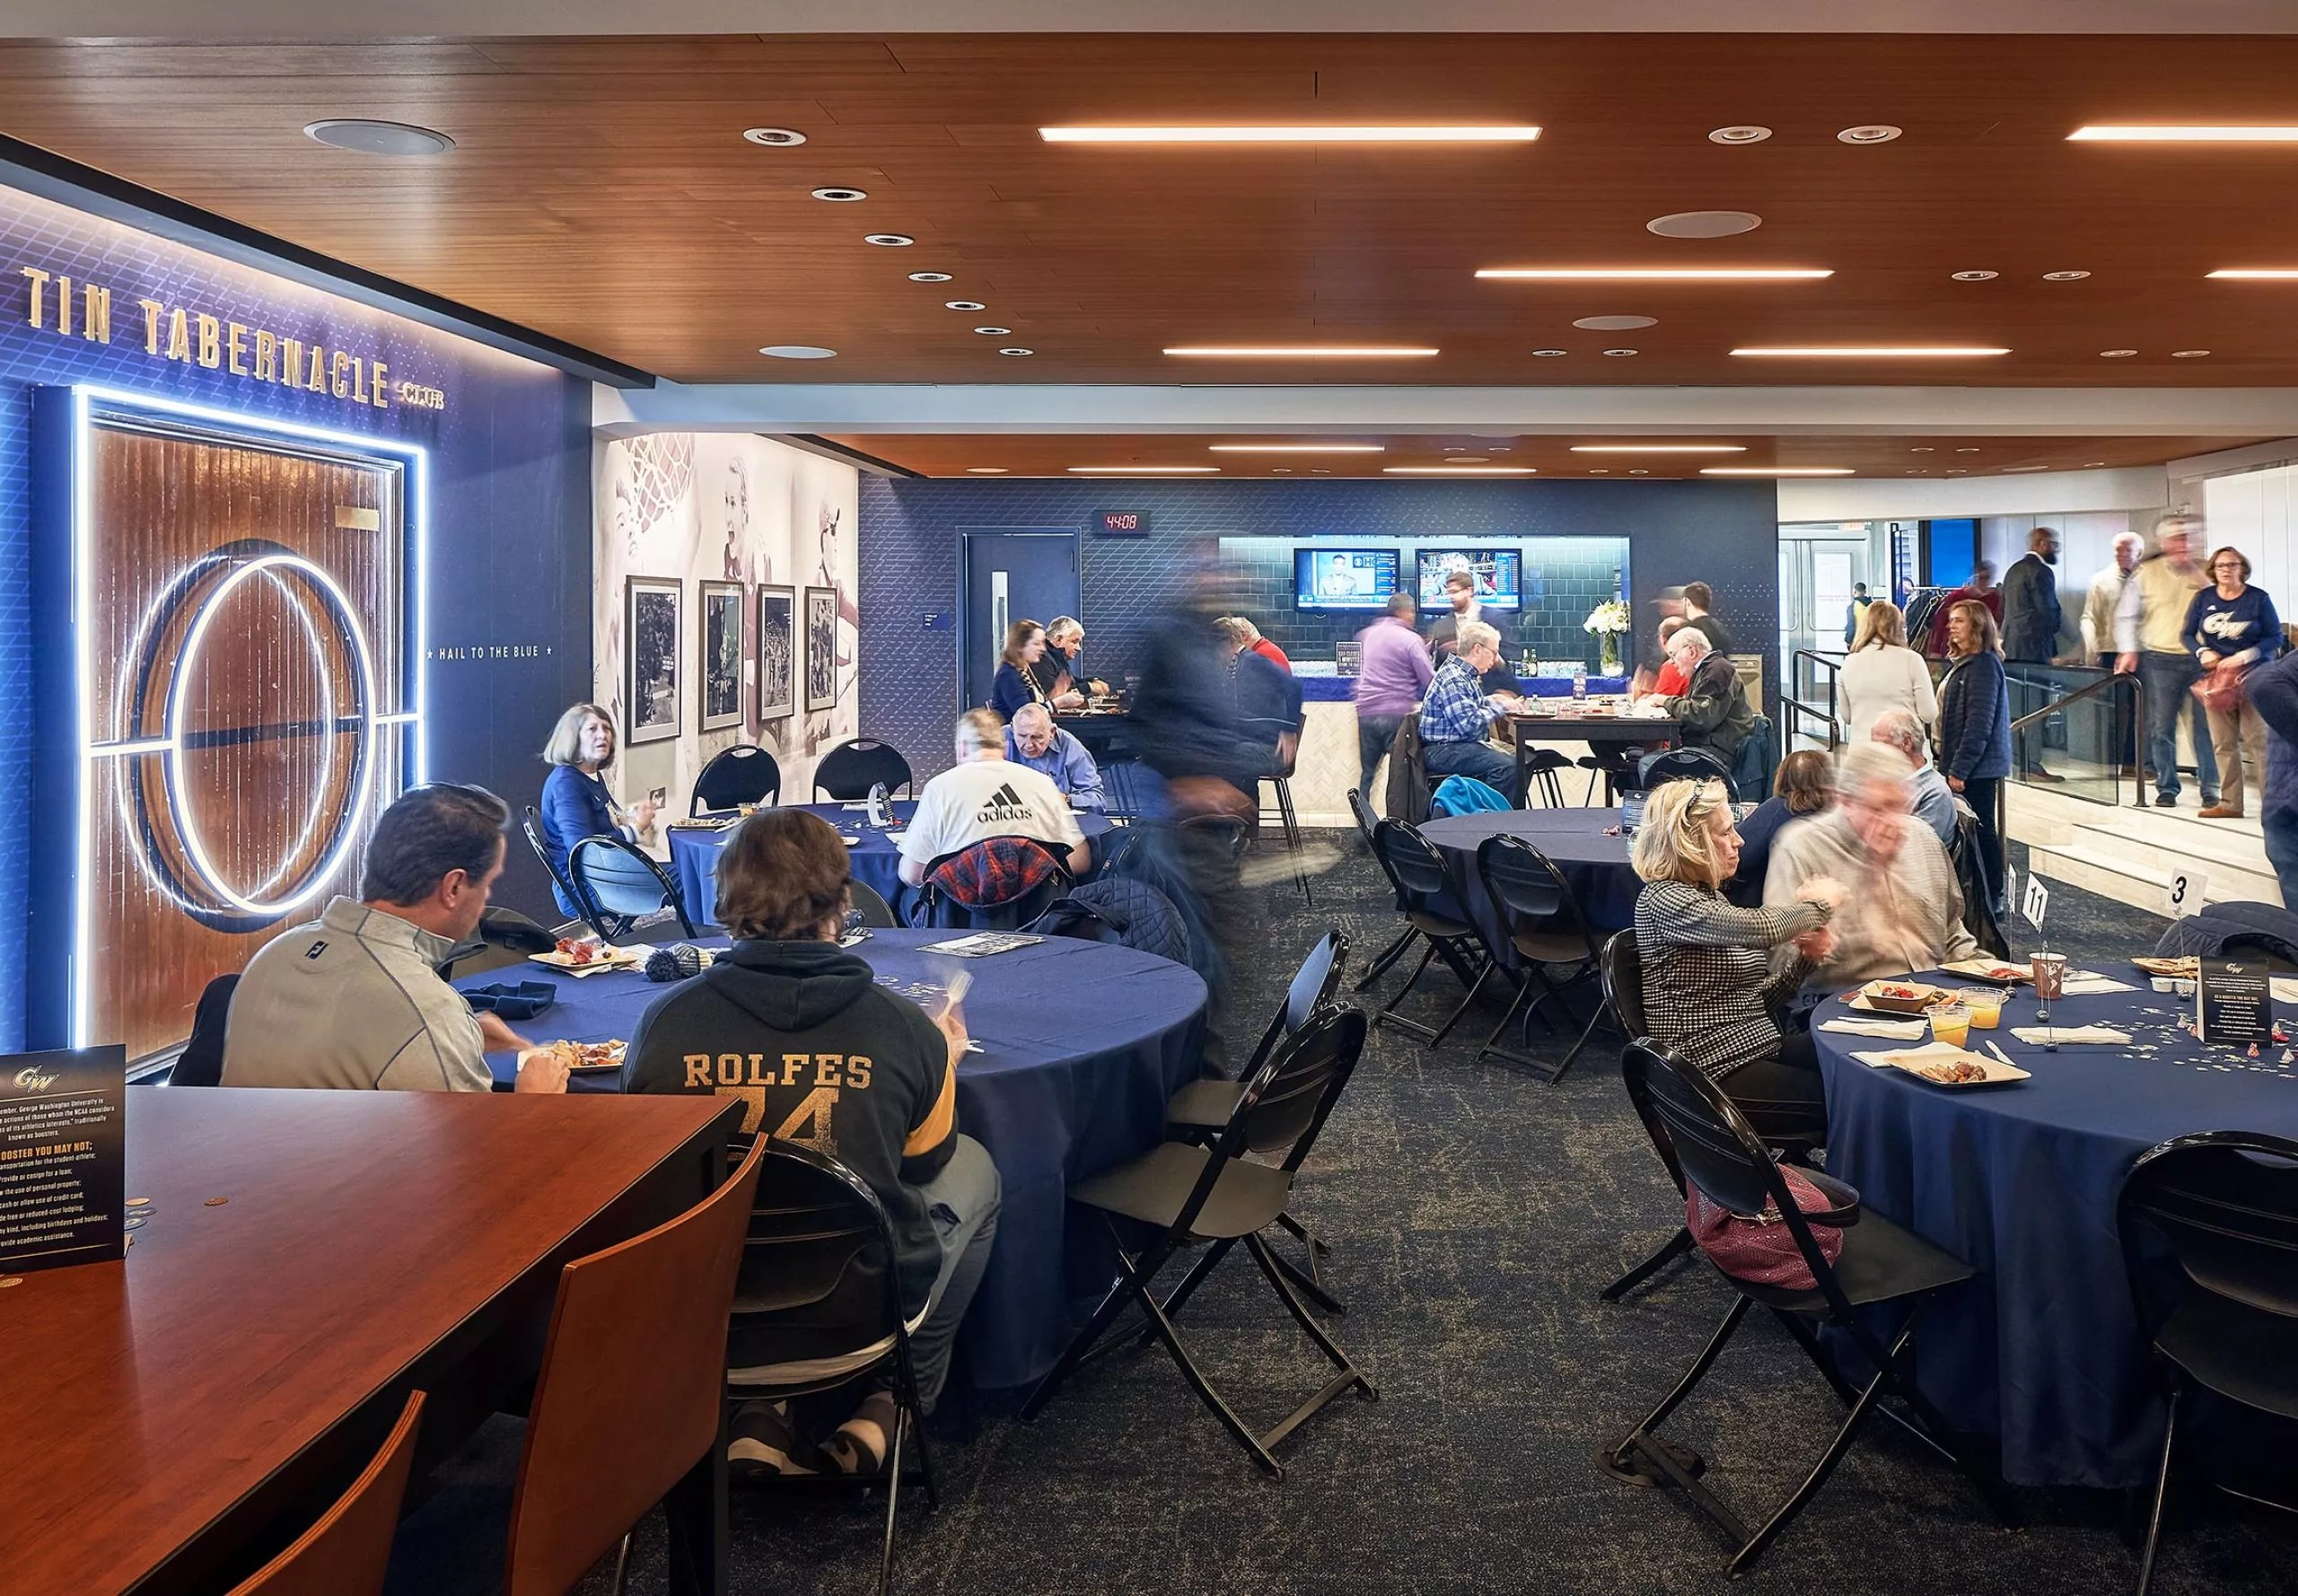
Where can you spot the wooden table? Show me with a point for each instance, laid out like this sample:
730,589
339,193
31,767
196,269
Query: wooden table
170,1421
1598,730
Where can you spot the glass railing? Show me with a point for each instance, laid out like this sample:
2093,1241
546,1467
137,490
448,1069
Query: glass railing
2074,730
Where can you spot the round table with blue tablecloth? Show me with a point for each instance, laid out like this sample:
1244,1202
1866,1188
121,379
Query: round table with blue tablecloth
2044,1349
1586,845
1083,1043
875,859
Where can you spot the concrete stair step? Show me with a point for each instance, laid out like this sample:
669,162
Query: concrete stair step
2141,884
2226,850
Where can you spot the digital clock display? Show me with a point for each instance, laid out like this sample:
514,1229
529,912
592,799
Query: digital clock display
1125,523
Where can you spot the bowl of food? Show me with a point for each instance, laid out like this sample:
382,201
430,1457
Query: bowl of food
1901,998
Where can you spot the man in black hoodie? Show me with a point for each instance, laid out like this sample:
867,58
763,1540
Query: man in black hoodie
796,1028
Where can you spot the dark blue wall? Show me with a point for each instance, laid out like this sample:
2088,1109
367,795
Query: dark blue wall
510,534
1724,532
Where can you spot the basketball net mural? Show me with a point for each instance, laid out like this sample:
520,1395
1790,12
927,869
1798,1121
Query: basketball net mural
246,647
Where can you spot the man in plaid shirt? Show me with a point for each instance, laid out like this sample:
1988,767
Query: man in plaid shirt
1457,713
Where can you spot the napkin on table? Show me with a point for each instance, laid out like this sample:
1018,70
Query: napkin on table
1898,1031
2035,1035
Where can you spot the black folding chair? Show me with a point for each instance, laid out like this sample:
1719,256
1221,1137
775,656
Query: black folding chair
1545,932
1684,764
742,774
1425,895
1122,783
1215,1194
2209,1230
849,770
618,883
531,828
817,1305
1199,1110
1540,766
201,1062
876,911
1623,977
1721,1154
1367,823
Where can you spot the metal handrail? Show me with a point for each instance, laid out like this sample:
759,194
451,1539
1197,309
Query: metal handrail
2138,735
1826,716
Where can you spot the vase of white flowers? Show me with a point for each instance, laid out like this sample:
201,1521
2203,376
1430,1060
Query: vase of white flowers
1609,620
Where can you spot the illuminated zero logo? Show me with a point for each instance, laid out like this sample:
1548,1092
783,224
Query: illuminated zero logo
249,788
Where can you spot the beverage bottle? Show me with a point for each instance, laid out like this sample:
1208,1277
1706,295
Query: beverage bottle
1579,679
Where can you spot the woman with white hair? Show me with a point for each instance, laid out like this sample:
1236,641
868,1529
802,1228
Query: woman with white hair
1711,983
575,802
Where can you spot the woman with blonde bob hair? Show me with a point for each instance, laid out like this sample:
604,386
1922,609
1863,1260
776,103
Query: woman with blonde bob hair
575,802
1882,673
1714,972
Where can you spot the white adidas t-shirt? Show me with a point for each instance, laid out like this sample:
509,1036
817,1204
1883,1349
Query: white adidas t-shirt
987,798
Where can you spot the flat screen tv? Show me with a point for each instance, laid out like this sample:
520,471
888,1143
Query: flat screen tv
1499,575
1327,578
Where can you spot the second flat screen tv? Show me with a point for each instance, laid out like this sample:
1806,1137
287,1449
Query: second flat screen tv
1343,578
1499,574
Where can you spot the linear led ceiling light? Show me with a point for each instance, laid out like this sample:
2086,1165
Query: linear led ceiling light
1296,448
1775,472
1301,352
2184,135
1654,274
1877,352
1145,470
1659,449
2256,274
1459,470
1406,134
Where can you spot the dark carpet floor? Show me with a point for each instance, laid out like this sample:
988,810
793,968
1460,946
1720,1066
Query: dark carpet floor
1476,1213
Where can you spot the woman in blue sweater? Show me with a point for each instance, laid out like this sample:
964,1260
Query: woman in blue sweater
1975,726
575,803
1017,682
2229,628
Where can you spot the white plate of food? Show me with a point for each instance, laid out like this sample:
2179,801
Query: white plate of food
582,958
1953,1067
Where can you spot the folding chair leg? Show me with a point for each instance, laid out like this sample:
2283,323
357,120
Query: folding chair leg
1386,957
1936,1428
1524,990
1308,1285
1387,1014
2161,1491
1176,1299
1746,1554
1164,1330
1674,1248
1692,1377
893,1499
622,1564
1121,1291
1466,1004
1594,1020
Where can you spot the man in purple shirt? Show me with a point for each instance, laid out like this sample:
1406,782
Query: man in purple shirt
1391,677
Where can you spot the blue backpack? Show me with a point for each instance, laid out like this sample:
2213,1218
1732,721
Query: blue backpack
1463,796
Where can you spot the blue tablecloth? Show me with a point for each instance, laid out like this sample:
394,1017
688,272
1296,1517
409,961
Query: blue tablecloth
875,860
2044,1349
1340,689
1594,863
1082,1045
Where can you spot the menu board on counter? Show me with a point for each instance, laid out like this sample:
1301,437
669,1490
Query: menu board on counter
63,1157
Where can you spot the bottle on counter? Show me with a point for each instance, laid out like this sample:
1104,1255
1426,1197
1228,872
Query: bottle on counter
1579,679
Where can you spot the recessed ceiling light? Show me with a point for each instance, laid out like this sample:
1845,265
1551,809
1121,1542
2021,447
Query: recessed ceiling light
985,470
1549,354
1466,460
775,137
1459,471
2189,353
964,304
1297,448
798,352
1876,352
1873,133
2256,274
2116,354
1280,470
1657,274
1145,470
1703,223
1746,133
1974,277
1918,471
2064,277
891,240
1619,353
1615,323
1600,470
1956,471
929,276
363,136
1292,135
1775,472
841,196
1300,352
1637,471
1923,449
2090,465
2184,135
1017,352
2015,470
1320,470
1659,448
994,332
1967,448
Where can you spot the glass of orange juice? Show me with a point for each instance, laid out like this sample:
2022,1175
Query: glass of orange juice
1950,1022
1986,1005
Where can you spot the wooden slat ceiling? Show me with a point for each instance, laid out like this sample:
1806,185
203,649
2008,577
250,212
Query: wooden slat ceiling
1926,456
601,191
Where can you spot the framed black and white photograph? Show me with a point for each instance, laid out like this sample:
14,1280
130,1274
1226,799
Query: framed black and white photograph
650,626
722,655
777,637
822,648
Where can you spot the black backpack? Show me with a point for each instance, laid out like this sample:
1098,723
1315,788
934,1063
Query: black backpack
2222,928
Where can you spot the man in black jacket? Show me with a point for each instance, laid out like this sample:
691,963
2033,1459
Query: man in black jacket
2030,623
1713,710
798,1031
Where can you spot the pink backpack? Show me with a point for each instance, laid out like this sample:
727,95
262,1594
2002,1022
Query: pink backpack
1761,1250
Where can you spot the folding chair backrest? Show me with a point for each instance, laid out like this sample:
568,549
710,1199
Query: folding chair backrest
1317,979
1684,764
1713,1146
630,1392
2225,1204
1122,785
611,873
531,825
817,1277
1623,977
854,766
742,774
1285,1102
875,910
1366,822
1532,892
201,1062
1413,865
